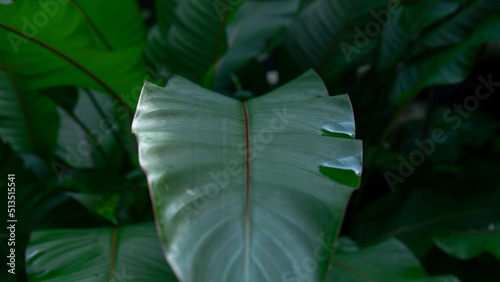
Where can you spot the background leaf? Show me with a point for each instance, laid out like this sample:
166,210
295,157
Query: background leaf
450,65
63,46
325,36
471,243
37,201
245,35
387,261
399,33
190,36
457,28
126,253
20,113
439,212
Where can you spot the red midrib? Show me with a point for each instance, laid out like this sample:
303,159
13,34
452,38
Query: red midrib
75,64
113,254
247,208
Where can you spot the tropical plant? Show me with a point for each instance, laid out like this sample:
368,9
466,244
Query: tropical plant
246,140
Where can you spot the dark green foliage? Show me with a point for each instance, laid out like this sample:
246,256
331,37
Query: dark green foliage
422,78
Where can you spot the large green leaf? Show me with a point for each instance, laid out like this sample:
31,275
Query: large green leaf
445,66
397,36
28,121
468,244
387,261
52,43
128,253
328,35
244,191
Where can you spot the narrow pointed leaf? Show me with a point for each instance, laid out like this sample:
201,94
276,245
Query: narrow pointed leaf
242,191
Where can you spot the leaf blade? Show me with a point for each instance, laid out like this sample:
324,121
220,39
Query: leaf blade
207,207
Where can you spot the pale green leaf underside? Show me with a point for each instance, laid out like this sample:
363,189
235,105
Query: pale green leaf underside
303,166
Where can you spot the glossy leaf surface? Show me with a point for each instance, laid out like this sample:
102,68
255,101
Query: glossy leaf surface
243,191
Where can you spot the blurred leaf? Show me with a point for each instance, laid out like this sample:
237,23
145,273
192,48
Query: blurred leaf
190,36
107,208
65,96
28,121
76,148
36,200
427,213
116,25
94,181
127,253
386,261
328,35
469,244
457,28
243,208
103,192
46,44
463,134
399,33
255,24
446,66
